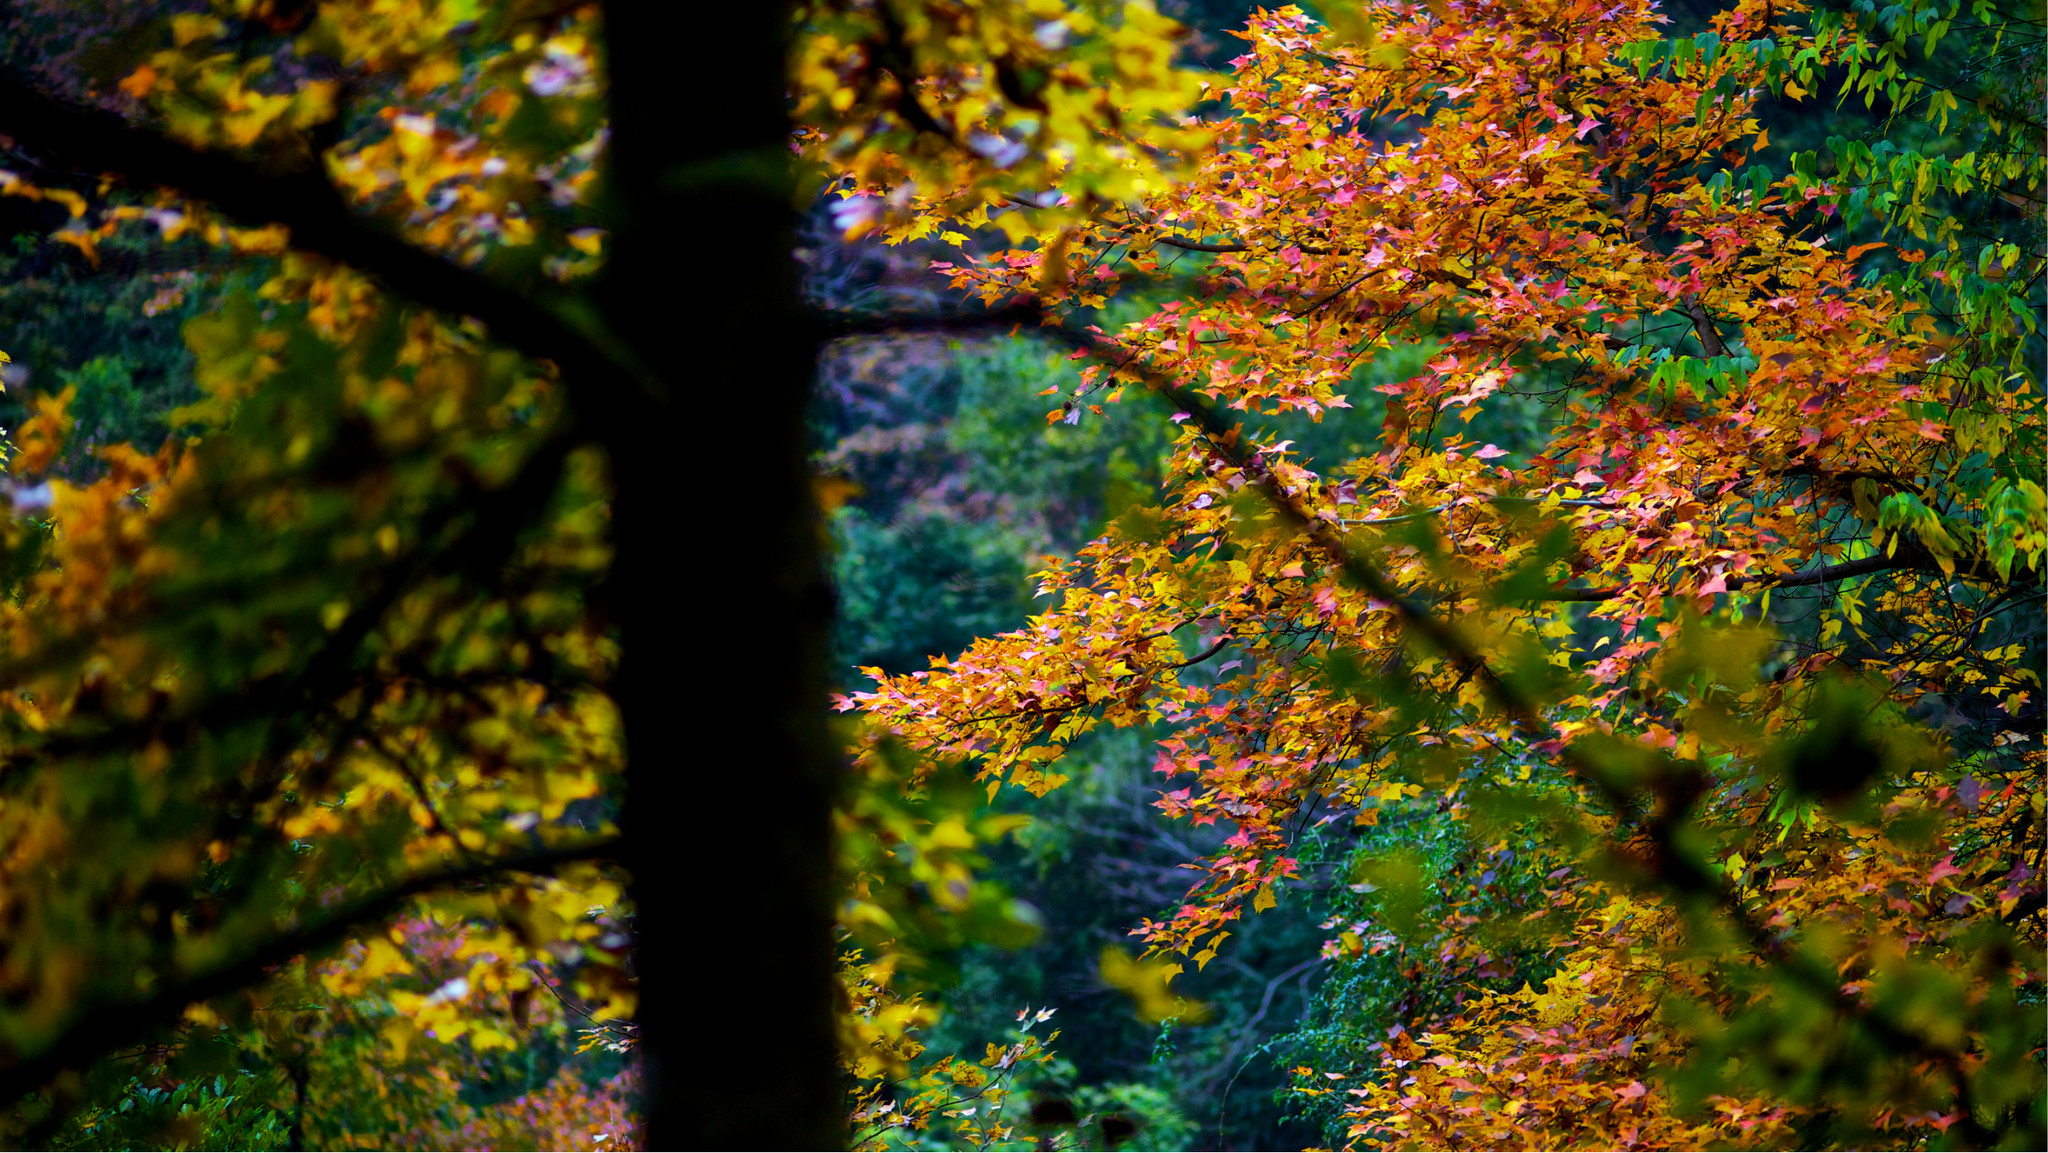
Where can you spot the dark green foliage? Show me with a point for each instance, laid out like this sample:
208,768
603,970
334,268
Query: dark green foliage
233,1110
1097,858
112,332
960,487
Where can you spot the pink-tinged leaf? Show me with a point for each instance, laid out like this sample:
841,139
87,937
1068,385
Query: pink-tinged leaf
1490,452
1718,584
1587,476
1932,430
1945,869
1633,1090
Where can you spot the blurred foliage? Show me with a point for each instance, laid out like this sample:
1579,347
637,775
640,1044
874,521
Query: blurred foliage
298,647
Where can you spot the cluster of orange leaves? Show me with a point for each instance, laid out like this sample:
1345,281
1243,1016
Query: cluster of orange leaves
1581,1062
1517,187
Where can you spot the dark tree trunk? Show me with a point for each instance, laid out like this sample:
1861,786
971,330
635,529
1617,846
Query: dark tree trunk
718,589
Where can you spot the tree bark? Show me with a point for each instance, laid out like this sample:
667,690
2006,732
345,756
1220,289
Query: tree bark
718,591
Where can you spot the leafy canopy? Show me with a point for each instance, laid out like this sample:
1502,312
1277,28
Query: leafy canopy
1747,633
1742,643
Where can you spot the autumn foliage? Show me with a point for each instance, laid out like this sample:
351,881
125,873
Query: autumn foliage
307,746
1557,461
1781,907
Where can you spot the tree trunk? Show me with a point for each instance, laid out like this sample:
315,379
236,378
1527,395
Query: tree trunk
717,590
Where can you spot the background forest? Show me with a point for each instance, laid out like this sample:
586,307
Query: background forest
945,488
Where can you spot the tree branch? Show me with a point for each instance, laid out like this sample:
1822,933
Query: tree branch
1200,246
1204,655
600,371
1667,864
98,1029
842,325
1910,560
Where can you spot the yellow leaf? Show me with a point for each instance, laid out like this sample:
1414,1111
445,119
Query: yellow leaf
1145,982
398,1034
381,957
